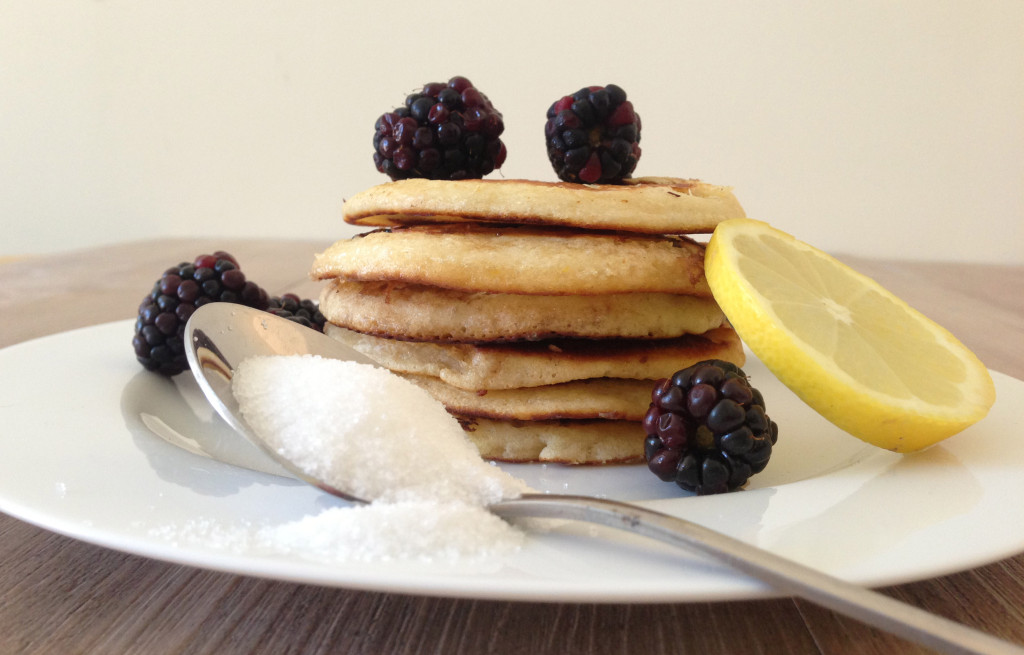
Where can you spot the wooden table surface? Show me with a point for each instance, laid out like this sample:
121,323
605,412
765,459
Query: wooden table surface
58,595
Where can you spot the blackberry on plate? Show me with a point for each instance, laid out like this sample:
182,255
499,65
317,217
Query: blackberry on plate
707,430
446,131
593,136
160,326
300,310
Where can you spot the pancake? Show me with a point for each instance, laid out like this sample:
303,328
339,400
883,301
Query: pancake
532,364
425,313
646,205
563,442
604,398
520,260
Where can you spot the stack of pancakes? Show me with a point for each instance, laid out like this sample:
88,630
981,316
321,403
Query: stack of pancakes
540,314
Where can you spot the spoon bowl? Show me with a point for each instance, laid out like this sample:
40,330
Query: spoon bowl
225,334
220,335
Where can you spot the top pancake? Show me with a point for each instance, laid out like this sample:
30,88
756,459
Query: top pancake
650,205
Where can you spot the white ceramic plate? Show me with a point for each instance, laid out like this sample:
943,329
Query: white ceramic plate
77,457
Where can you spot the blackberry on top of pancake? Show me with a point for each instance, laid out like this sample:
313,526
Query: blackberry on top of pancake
593,135
446,131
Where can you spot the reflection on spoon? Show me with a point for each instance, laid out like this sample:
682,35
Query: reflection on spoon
219,336
177,411
158,427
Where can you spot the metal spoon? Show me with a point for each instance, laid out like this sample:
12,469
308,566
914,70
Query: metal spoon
219,335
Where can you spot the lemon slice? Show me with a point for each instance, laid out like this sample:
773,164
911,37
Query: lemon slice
854,352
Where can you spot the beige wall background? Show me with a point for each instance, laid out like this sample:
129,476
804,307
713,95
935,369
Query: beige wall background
881,128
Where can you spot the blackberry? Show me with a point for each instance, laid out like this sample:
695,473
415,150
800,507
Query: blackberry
160,327
447,131
593,136
707,430
302,311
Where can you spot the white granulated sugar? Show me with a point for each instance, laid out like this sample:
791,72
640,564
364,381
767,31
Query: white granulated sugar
365,430
453,534
236,537
380,437
414,530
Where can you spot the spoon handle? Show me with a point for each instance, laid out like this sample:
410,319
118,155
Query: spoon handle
868,606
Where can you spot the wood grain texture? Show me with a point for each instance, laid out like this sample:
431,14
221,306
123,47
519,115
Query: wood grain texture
58,595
